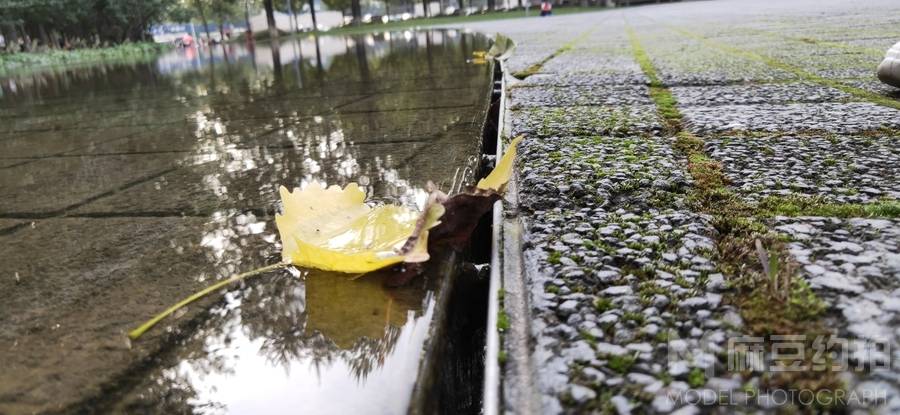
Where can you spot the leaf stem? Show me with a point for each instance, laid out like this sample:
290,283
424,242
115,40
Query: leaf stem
134,334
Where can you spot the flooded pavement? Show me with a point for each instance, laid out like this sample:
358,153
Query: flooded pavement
126,188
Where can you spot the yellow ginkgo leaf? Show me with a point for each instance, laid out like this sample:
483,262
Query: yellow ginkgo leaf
502,171
334,230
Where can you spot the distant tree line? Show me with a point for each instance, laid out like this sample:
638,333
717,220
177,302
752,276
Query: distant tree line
28,25
79,23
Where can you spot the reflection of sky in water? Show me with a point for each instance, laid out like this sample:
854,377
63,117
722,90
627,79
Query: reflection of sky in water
315,379
208,141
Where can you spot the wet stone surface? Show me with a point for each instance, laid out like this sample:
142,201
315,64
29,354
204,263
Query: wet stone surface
585,79
568,96
621,271
844,169
622,277
585,120
580,62
778,93
846,118
854,265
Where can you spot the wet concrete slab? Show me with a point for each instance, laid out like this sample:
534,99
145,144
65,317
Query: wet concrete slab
8,226
853,117
50,143
67,314
542,96
249,179
56,184
586,120
776,93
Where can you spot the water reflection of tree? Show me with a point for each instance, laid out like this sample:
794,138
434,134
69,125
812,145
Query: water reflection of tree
273,313
251,135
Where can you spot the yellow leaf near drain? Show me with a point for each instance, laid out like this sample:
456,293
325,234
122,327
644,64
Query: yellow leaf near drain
334,230
502,172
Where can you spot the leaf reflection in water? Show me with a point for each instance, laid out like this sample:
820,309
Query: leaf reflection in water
315,343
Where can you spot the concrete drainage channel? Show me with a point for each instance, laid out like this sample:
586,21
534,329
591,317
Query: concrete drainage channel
460,372
507,376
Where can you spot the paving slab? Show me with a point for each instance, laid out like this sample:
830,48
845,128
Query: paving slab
586,61
574,95
50,143
585,79
54,184
75,306
777,93
585,120
683,61
840,169
854,265
618,271
844,118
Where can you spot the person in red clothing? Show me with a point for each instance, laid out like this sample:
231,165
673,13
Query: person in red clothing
546,8
187,40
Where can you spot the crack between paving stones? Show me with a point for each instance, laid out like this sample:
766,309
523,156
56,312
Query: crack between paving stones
777,64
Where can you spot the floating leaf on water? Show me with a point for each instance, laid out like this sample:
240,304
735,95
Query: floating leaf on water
332,229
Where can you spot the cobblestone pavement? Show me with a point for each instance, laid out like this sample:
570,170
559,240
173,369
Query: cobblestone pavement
697,172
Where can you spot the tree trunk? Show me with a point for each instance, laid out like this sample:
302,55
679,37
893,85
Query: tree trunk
356,9
43,34
462,8
312,11
270,18
203,19
247,16
425,8
292,20
490,4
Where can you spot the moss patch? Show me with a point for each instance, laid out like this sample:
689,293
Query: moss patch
817,206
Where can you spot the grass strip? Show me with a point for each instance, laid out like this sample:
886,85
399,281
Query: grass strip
771,297
818,42
666,104
27,62
799,72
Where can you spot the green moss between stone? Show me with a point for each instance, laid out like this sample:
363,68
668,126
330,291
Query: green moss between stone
766,306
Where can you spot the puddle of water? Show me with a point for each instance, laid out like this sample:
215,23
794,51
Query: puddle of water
318,344
141,183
